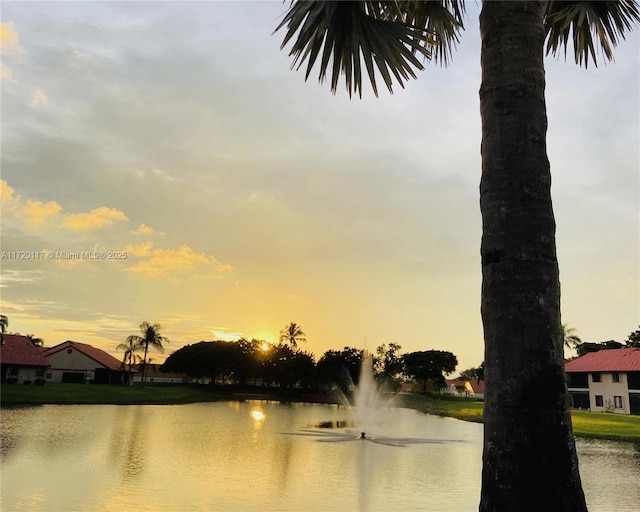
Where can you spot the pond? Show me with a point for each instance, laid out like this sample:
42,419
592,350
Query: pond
258,455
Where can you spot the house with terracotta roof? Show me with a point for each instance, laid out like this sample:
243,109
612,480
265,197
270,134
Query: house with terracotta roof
72,361
606,381
464,387
21,362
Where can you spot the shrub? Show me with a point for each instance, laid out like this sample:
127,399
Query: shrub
12,380
40,381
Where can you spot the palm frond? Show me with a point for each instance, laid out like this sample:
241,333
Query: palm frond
387,36
589,24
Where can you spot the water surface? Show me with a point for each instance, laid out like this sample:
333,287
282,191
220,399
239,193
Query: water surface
245,456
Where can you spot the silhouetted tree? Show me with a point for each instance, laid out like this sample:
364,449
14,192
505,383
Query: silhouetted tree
292,334
571,339
429,365
151,337
4,324
340,367
38,342
585,348
633,340
130,347
388,363
473,373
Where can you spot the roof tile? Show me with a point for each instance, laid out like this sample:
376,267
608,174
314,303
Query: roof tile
613,360
100,356
18,349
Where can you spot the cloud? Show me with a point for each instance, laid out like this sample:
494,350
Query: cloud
19,276
160,262
143,229
9,45
39,98
5,74
140,250
7,198
38,212
9,39
95,219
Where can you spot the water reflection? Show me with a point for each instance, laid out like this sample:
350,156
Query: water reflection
234,456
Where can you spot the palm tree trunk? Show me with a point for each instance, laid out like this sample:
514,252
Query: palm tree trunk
529,459
144,363
129,374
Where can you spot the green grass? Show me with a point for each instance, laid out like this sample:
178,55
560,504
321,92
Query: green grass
55,393
600,425
619,427
467,409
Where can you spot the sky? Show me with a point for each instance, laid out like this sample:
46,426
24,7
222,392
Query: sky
177,136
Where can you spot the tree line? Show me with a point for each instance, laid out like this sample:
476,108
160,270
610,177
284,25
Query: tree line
573,341
256,362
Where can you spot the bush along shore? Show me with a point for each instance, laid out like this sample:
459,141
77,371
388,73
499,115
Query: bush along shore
618,427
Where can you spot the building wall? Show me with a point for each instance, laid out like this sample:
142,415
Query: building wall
70,360
25,373
609,390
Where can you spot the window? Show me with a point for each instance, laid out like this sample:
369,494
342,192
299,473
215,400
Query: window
617,402
595,377
578,380
616,377
580,400
599,402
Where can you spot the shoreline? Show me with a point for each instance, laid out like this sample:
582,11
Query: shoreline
605,426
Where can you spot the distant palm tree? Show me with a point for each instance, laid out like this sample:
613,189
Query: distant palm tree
4,323
571,339
130,357
151,337
292,334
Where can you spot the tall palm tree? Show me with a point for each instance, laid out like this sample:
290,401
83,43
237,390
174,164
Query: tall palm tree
529,458
569,336
292,334
151,337
130,347
4,323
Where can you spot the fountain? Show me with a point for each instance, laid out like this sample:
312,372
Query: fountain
370,416
368,402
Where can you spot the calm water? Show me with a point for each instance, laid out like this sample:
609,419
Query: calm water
245,456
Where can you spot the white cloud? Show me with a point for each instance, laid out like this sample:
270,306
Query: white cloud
143,229
38,213
95,219
161,262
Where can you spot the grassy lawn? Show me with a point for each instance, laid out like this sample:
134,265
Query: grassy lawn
619,427
600,425
467,409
